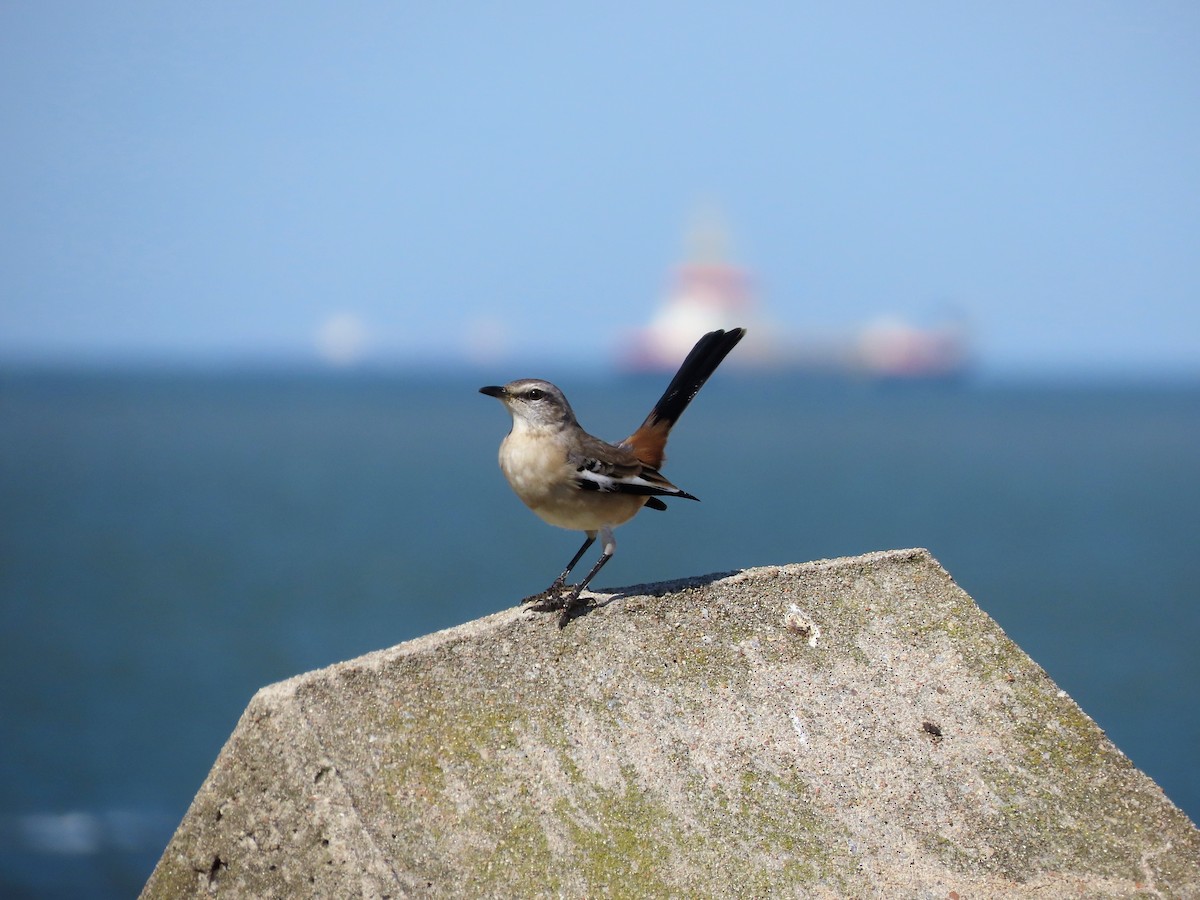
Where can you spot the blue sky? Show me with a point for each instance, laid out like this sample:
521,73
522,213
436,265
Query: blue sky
219,180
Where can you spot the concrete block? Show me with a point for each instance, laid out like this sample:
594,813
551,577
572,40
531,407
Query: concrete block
843,728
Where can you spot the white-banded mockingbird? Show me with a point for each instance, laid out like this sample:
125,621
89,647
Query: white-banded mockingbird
574,480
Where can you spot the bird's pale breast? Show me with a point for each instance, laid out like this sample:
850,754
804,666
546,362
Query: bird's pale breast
538,471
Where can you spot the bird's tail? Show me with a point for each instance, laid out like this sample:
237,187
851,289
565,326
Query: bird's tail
650,440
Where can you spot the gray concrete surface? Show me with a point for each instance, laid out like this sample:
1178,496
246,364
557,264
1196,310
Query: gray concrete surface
844,728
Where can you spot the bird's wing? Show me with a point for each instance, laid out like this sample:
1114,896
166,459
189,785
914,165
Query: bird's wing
600,466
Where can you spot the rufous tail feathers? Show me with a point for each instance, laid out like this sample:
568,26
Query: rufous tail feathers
649,442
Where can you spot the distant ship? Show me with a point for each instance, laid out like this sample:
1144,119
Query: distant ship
896,350
708,292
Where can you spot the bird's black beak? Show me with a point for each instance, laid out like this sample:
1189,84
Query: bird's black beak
492,390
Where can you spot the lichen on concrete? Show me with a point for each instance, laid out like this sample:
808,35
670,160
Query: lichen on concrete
853,727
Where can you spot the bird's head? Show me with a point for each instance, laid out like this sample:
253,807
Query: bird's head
533,403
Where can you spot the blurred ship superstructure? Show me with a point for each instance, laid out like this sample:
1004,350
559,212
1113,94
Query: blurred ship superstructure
708,291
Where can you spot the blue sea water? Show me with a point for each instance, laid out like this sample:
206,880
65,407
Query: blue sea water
172,541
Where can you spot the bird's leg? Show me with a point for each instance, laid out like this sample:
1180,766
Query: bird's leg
572,601
562,579
548,598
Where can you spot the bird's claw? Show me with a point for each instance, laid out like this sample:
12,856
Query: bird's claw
550,599
557,598
570,609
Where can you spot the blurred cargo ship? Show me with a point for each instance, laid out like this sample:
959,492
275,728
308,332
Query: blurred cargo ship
709,291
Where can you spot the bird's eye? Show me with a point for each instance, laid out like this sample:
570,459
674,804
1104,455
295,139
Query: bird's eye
536,394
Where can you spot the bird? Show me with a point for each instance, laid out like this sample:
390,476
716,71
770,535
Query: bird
574,480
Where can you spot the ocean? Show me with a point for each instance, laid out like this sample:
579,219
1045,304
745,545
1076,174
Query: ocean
172,540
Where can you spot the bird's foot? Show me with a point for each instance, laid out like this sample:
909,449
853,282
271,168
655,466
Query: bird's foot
553,597
571,608
558,597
